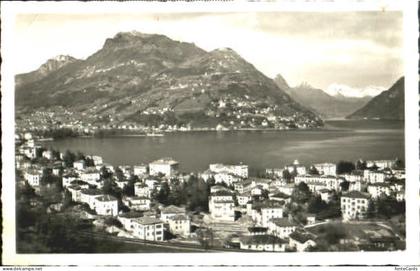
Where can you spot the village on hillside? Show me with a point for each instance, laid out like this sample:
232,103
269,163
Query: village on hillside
63,199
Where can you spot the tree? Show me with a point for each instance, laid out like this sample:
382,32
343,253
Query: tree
286,175
371,209
163,194
344,185
301,193
345,167
360,164
69,158
316,205
105,174
67,199
313,171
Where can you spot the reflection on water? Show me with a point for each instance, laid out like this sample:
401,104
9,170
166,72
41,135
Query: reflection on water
341,140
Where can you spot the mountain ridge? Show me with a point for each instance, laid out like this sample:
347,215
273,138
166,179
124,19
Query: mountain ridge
387,105
135,76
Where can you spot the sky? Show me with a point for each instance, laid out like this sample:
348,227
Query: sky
354,53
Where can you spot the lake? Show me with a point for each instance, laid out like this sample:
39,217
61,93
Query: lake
338,140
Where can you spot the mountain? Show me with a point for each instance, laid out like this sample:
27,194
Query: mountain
387,105
45,69
325,105
151,79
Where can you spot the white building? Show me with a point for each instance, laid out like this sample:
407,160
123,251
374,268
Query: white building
180,224
33,177
373,176
142,190
330,182
88,196
381,164
262,243
79,165
263,212
244,198
91,176
170,211
106,205
147,228
166,166
281,227
221,206
68,178
48,154
400,195
140,170
238,170
301,241
326,195
226,177
300,169
328,169
354,205
286,189
137,203
97,160
75,192
378,189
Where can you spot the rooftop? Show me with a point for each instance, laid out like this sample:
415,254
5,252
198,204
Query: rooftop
131,214
165,161
262,239
356,195
301,237
283,222
172,209
91,191
148,220
106,198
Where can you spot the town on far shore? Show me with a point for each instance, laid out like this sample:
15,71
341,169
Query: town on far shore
74,202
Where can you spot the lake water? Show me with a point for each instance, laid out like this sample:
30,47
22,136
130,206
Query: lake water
339,140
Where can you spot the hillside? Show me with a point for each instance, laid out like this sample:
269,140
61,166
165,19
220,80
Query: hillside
387,105
150,79
320,102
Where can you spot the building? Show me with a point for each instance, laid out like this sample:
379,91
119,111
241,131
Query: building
166,166
142,190
279,196
106,205
226,177
68,178
33,177
296,167
281,227
262,243
263,212
238,170
48,154
97,160
180,224
170,211
75,192
400,196
137,203
328,169
354,205
88,196
244,198
286,189
330,182
301,241
147,228
91,176
221,206
140,170
381,164
378,189
326,195
79,165
275,172
374,176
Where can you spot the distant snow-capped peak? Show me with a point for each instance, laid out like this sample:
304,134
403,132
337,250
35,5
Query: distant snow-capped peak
348,91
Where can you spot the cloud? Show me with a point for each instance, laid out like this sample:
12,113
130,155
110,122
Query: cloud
348,91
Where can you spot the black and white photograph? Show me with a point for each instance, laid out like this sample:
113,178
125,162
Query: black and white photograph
220,132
